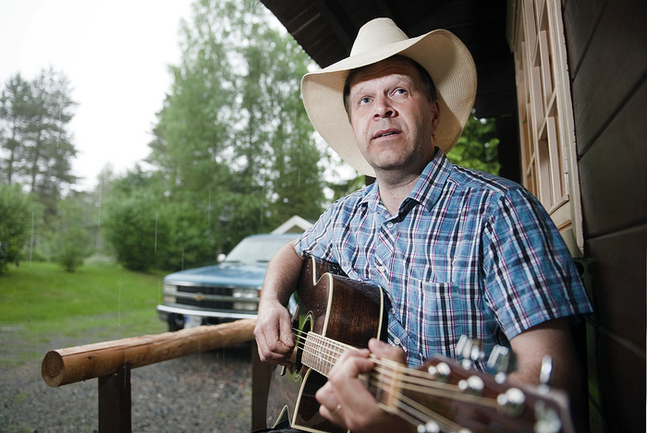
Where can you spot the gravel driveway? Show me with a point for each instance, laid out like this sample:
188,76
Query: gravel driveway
209,392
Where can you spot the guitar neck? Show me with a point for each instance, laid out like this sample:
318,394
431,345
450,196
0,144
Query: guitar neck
321,353
418,396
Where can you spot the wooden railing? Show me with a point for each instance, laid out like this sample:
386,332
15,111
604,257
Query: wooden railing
112,361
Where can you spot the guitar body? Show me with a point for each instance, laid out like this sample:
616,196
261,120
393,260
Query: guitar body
338,308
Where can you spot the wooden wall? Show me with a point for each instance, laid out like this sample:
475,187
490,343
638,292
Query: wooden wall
607,48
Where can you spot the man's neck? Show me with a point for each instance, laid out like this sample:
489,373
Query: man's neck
395,185
392,195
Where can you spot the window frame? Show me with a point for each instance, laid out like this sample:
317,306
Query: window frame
546,125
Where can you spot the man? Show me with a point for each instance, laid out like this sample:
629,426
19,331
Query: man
456,251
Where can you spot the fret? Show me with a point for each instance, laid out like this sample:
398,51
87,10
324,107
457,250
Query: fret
321,353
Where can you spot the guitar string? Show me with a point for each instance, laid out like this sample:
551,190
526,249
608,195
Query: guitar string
414,377
408,409
415,413
410,379
400,379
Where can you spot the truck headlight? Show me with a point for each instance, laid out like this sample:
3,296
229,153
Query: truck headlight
247,300
169,290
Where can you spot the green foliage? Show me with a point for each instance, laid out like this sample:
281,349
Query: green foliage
184,226
33,134
134,228
69,239
15,113
477,148
342,189
188,240
15,222
35,154
233,143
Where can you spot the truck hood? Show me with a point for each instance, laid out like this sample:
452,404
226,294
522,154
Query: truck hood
224,274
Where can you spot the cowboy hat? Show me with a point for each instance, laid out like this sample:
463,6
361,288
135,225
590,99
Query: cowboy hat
440,52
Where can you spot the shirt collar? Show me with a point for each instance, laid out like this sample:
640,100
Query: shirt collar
430,184
427,189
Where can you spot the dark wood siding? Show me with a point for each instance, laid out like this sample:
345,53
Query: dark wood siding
607,46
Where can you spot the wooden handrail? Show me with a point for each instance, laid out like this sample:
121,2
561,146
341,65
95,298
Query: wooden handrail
74,364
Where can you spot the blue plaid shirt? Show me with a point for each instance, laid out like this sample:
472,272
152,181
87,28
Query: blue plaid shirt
467,253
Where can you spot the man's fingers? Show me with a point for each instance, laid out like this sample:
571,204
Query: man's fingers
286,332
274,335
384,350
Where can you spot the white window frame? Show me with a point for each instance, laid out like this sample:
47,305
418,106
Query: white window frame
546,125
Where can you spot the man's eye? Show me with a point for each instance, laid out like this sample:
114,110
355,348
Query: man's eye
365,100
400,91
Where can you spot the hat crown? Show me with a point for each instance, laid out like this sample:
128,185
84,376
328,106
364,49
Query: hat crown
377,33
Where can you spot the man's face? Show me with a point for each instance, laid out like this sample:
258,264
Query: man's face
391,118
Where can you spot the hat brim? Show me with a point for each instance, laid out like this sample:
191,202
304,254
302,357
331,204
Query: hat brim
440,52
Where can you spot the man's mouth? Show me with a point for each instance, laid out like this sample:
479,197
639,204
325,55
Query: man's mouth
386,133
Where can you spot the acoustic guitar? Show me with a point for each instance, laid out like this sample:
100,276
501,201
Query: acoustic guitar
334,313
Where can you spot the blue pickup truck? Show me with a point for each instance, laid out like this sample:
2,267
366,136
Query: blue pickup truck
223,292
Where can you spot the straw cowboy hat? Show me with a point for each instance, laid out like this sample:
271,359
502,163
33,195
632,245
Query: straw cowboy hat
440,52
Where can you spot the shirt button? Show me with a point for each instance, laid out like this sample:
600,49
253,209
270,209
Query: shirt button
396,341
389,224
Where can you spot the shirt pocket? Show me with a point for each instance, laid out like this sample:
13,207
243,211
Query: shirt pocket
439,313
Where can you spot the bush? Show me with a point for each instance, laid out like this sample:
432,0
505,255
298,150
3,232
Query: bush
69,240
15,220
134,228
189,240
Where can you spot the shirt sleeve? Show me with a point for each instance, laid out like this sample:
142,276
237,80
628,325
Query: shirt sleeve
529,276
317,240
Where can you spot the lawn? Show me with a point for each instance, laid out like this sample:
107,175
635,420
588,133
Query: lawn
40,300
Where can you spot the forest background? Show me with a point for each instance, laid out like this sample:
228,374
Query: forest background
233,153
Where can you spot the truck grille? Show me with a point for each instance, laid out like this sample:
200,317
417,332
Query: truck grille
205,303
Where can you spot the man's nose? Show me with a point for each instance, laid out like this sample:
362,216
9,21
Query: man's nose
383,108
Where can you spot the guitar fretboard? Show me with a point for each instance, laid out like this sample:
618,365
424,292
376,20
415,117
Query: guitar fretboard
321,353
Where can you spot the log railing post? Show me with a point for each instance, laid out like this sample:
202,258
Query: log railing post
74,364
111,362
115,402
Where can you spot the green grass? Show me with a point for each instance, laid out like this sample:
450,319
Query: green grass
42,301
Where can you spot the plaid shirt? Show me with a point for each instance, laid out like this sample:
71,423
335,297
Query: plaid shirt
467,253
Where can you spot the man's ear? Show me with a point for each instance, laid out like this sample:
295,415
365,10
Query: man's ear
435,114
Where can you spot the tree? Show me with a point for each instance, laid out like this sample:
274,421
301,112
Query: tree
15,221
94,208
134,228
477,147
49,150
69,240
38,147
15,116
233,134
188,239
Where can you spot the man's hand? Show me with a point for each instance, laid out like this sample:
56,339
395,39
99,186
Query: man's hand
344,398
273,330
273,333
